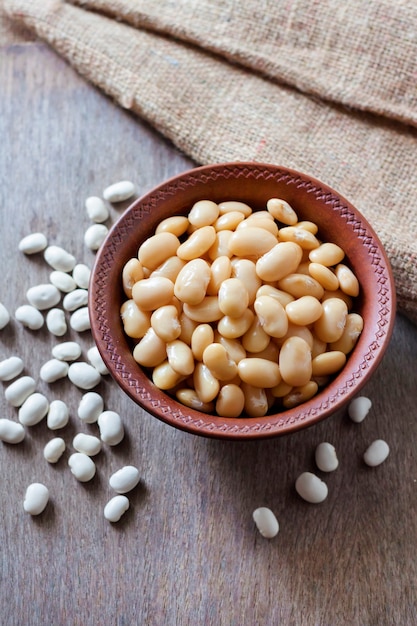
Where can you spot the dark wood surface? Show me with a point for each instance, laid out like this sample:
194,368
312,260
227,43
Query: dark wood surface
187,552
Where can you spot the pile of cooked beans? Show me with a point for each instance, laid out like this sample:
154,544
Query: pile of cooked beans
240,312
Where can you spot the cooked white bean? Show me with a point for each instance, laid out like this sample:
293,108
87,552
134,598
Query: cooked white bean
96,209
80,320
67,351
295,361
190,398
251,242
326,457
53,370
151,349
81,274
59,259
259,372
281,260
10,368
95,358
83,375
17,392
376,453
282,211
359,408
117,192
33,243
256,400
348,282
151,293
192,281
205,384
111,428
4,316
95,235
56,322
62,281
33,409
164,320
235,205
115,508
87,444
233,297
327,254
43,296
90,407
231,401
29,316
311,488
203,213
36,498
54,449
75,299
266,522
11,432
198,243
58,415
82,466
125,479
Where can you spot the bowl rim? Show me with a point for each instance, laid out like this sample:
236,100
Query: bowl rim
362,360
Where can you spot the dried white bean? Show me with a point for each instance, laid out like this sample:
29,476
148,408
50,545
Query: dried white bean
95,235
120,191
311,488
115,508
43,296
36,498
59,259
82,466
56,322
80,320
125,479
376,453
81,274
90,407
62,281
83,375
33,243
33,409
75,299
19,390
11,432
326,457
10,368
58,415
111,428
94,356
67,351
266,522
4,316
96,209
53,370
87,444
54,449
359,408
29,316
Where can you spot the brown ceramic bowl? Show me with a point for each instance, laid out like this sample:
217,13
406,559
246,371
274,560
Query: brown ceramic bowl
253,183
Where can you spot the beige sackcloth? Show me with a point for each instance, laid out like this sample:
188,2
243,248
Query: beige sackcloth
322,86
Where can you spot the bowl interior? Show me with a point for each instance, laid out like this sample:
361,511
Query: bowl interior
254,184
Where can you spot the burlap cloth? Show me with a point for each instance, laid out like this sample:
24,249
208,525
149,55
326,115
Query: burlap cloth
322,86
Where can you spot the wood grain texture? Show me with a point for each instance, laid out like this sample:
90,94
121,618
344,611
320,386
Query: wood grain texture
187,551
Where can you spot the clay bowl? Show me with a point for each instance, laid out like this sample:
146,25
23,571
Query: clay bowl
253,183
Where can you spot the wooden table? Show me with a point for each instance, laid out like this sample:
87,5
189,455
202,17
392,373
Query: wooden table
187,552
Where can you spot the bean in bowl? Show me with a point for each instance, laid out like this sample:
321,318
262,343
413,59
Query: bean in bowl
238,311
